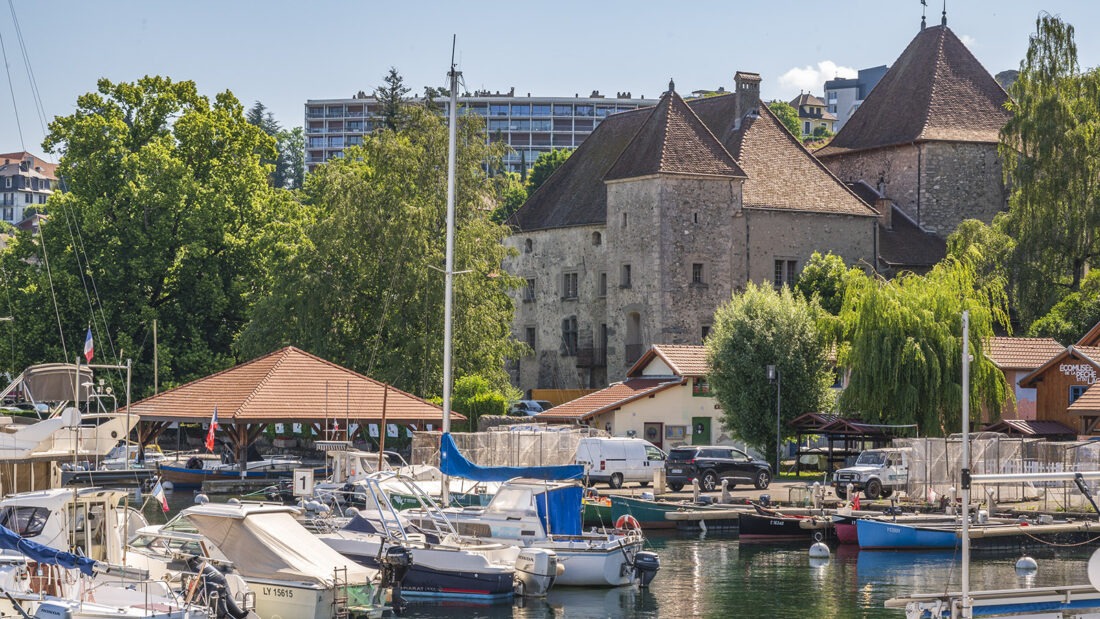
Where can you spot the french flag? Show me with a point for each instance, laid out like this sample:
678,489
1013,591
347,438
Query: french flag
89,350
210,432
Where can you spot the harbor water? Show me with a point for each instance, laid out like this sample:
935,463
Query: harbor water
717,576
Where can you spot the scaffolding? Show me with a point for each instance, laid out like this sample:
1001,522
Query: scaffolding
518,445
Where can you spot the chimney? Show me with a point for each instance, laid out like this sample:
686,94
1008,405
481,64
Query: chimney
885,210
747,97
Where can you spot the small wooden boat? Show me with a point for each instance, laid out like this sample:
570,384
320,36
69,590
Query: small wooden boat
845,529
196,471
597,511
766,524
650,514
898,535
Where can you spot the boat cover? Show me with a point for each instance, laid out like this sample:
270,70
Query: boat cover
561,510
452,462
273,545
10,540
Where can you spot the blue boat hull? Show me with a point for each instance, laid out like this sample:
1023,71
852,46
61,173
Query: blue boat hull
882,534
421,581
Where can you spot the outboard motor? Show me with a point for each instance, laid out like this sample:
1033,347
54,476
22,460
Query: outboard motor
646,565
215,591
536,571
395,564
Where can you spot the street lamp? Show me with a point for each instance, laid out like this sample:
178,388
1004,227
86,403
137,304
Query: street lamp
774,376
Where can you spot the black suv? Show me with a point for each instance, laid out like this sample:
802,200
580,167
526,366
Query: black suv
710,464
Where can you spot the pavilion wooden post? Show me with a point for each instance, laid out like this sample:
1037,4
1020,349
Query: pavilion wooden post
241,432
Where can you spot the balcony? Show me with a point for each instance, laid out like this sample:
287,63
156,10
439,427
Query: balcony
591,357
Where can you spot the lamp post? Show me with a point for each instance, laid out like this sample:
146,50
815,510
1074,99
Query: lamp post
774,376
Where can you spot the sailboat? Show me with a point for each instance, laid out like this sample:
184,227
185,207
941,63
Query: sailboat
1070,600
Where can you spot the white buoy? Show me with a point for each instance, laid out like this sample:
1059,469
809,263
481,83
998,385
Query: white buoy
1026,564
819,551
201,499
168,486
819,562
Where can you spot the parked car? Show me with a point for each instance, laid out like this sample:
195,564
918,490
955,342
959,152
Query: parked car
711,464
529,407
615,461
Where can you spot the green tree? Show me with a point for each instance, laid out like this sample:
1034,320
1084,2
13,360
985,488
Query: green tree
825,278
904,347
1074,315
821,133
544,166
1051,153
755,329
510,195
167,216
474,396
391,97
259,116
366,288
290,166
787,115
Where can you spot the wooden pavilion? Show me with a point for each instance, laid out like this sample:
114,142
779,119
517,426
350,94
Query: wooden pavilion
286,386
844,437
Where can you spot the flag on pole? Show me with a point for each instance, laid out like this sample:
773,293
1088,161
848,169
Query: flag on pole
855,501
89,350
158,494
210,432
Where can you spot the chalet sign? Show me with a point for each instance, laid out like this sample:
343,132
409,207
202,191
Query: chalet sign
1083,372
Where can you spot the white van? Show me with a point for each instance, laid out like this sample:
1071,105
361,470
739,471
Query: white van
615,461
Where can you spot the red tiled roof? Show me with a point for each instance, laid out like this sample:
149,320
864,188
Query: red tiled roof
607,399
673,141
1088,403
936,90
1092,337
288,384
687,361
48,169
1021,353
1031,427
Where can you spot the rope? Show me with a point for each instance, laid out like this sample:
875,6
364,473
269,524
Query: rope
15,106
53,294
39,108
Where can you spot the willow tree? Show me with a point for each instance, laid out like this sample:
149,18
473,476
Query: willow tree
367,290
904,347
757,328
1051,153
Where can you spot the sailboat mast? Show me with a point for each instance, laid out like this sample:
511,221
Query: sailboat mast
448,310
965,481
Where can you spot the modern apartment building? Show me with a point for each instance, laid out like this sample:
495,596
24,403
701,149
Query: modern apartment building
530,125
844,95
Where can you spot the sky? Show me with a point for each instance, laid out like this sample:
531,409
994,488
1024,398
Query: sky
283,53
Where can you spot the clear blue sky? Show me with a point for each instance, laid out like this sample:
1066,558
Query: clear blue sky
283,53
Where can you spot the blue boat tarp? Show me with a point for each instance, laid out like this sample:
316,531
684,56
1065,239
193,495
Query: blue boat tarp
560,510
453,463
10,540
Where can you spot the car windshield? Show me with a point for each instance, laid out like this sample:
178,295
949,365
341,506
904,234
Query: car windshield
871,458
681,455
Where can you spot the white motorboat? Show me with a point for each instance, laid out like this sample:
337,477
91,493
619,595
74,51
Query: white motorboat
533,513
442,563
51,583
290,571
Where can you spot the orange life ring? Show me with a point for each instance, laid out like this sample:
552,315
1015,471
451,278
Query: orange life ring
628,522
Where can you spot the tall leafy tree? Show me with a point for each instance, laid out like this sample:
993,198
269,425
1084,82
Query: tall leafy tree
368,289
1074,315
786,114
544,166
391,96
825,278
904,347
166,217
1051,152
757,328
290,164
510,194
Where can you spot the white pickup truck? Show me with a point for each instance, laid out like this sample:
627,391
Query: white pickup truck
877,472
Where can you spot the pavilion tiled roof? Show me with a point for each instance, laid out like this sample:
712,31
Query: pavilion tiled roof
673,141
936,90
1032,427
685,361
1021,353
288,384
607,399
781,173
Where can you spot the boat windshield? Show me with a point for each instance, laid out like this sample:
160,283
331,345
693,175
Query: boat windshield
25,520
871,458
510,501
